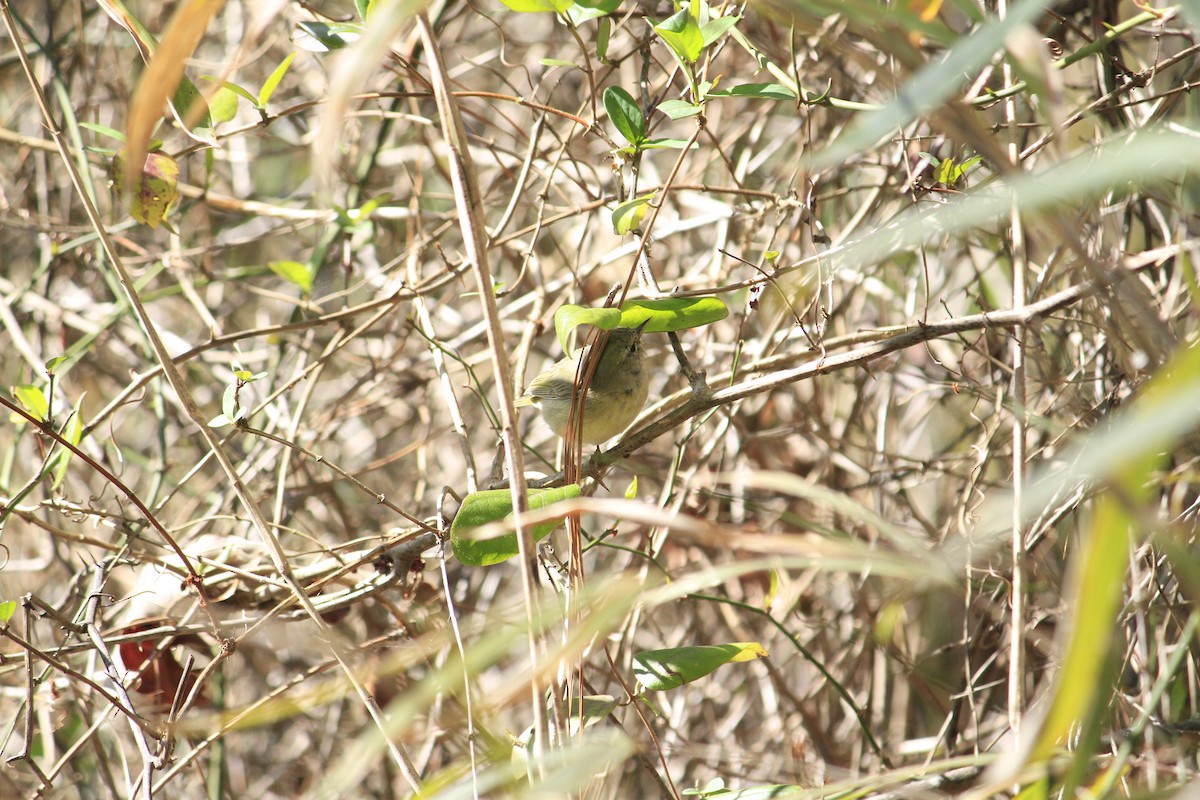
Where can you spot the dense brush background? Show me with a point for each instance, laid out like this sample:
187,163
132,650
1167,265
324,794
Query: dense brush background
856,519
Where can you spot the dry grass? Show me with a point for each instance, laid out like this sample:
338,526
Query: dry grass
896,350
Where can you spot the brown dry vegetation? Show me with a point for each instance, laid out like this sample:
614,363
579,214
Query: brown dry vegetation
898,348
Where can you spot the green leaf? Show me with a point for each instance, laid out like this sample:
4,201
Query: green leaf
229,402
74,435
53,363
104,130
594,707
762,91
321,37
7,609
1079,701
659,670
672,313
569,317
586,10
272,83
189,104
240,91
294,272
681,33
246,376
661,316
536,6
224,105
603,31
945,172
628,215
632,489
678,109
714,29
370,207
672,144
557,62
625,114
484,508
948,172
603,6
33,400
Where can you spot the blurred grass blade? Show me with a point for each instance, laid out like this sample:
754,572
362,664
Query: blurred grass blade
352,69
932,86
1165,411
606,606
1080,698
1140,159
163,77
838,503
1122,455
187,102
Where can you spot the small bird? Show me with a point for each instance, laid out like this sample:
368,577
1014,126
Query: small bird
615,395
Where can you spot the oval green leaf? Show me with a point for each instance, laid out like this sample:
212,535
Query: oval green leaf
716,28
484,508
681,33
679,109
762,91
659,670
224,105
627,216
625,114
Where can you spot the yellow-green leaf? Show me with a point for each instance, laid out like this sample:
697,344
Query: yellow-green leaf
672,313
272,83
294,272
224,105
661,316
33,400
629,215
73,434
